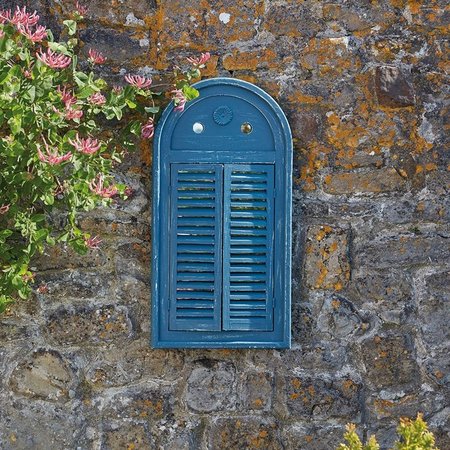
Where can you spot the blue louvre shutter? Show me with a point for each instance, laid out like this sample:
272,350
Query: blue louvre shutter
221,222
248,247
195,247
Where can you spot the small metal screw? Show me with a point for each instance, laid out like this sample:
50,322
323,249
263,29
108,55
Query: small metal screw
198,128
246,128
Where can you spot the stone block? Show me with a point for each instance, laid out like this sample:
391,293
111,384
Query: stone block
43,375
368,182
40,425
92,325
139,404
319,436
327,265
314,397
340,319
403,246
178,434
393,87
126,436
211,386
388,292
390,361
136,362
258,391
244,432
116,46
434,309
74,284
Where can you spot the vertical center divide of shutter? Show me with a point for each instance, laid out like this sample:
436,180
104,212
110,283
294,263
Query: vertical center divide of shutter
248,247
196,200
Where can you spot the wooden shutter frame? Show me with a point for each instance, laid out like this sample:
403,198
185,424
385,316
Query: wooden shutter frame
282,226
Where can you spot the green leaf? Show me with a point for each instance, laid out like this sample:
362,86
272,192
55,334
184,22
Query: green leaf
190,92
60,48
152,109
15,124
135,128
71,26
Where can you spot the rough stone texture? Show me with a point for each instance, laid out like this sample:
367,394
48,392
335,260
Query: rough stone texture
363,87
327,265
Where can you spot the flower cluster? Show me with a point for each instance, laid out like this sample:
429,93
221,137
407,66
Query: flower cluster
148,129
69,100
137,81
24,23
56,144
53,59
96,57
97,187
179,99
97,99
88,146
200,61
52,157
93,242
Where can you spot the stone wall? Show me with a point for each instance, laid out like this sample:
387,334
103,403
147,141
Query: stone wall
362,83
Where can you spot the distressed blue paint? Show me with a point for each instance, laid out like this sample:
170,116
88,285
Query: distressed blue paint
222,267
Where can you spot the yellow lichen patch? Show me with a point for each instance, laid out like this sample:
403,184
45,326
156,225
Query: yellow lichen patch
241,61
315,158
298,98
258,403
344,135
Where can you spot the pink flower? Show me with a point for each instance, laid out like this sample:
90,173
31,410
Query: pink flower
117,89
37,35
67,97
148,130
26,277
129,191
200,62
42,289
87,146
4,209
138,81
52,157
97,187
97,99
27,72
96,57
23,18
93,242
72,113
81,9
53,59
179,99
5,16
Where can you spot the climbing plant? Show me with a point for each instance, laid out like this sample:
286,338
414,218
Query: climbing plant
56,150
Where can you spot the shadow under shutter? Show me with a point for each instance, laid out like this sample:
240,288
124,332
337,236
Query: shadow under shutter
248,247
195,247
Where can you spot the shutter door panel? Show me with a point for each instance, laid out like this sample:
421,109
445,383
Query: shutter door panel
248,247
196,247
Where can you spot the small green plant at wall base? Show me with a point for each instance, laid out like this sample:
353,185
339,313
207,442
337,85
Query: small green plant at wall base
414,435
56,154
